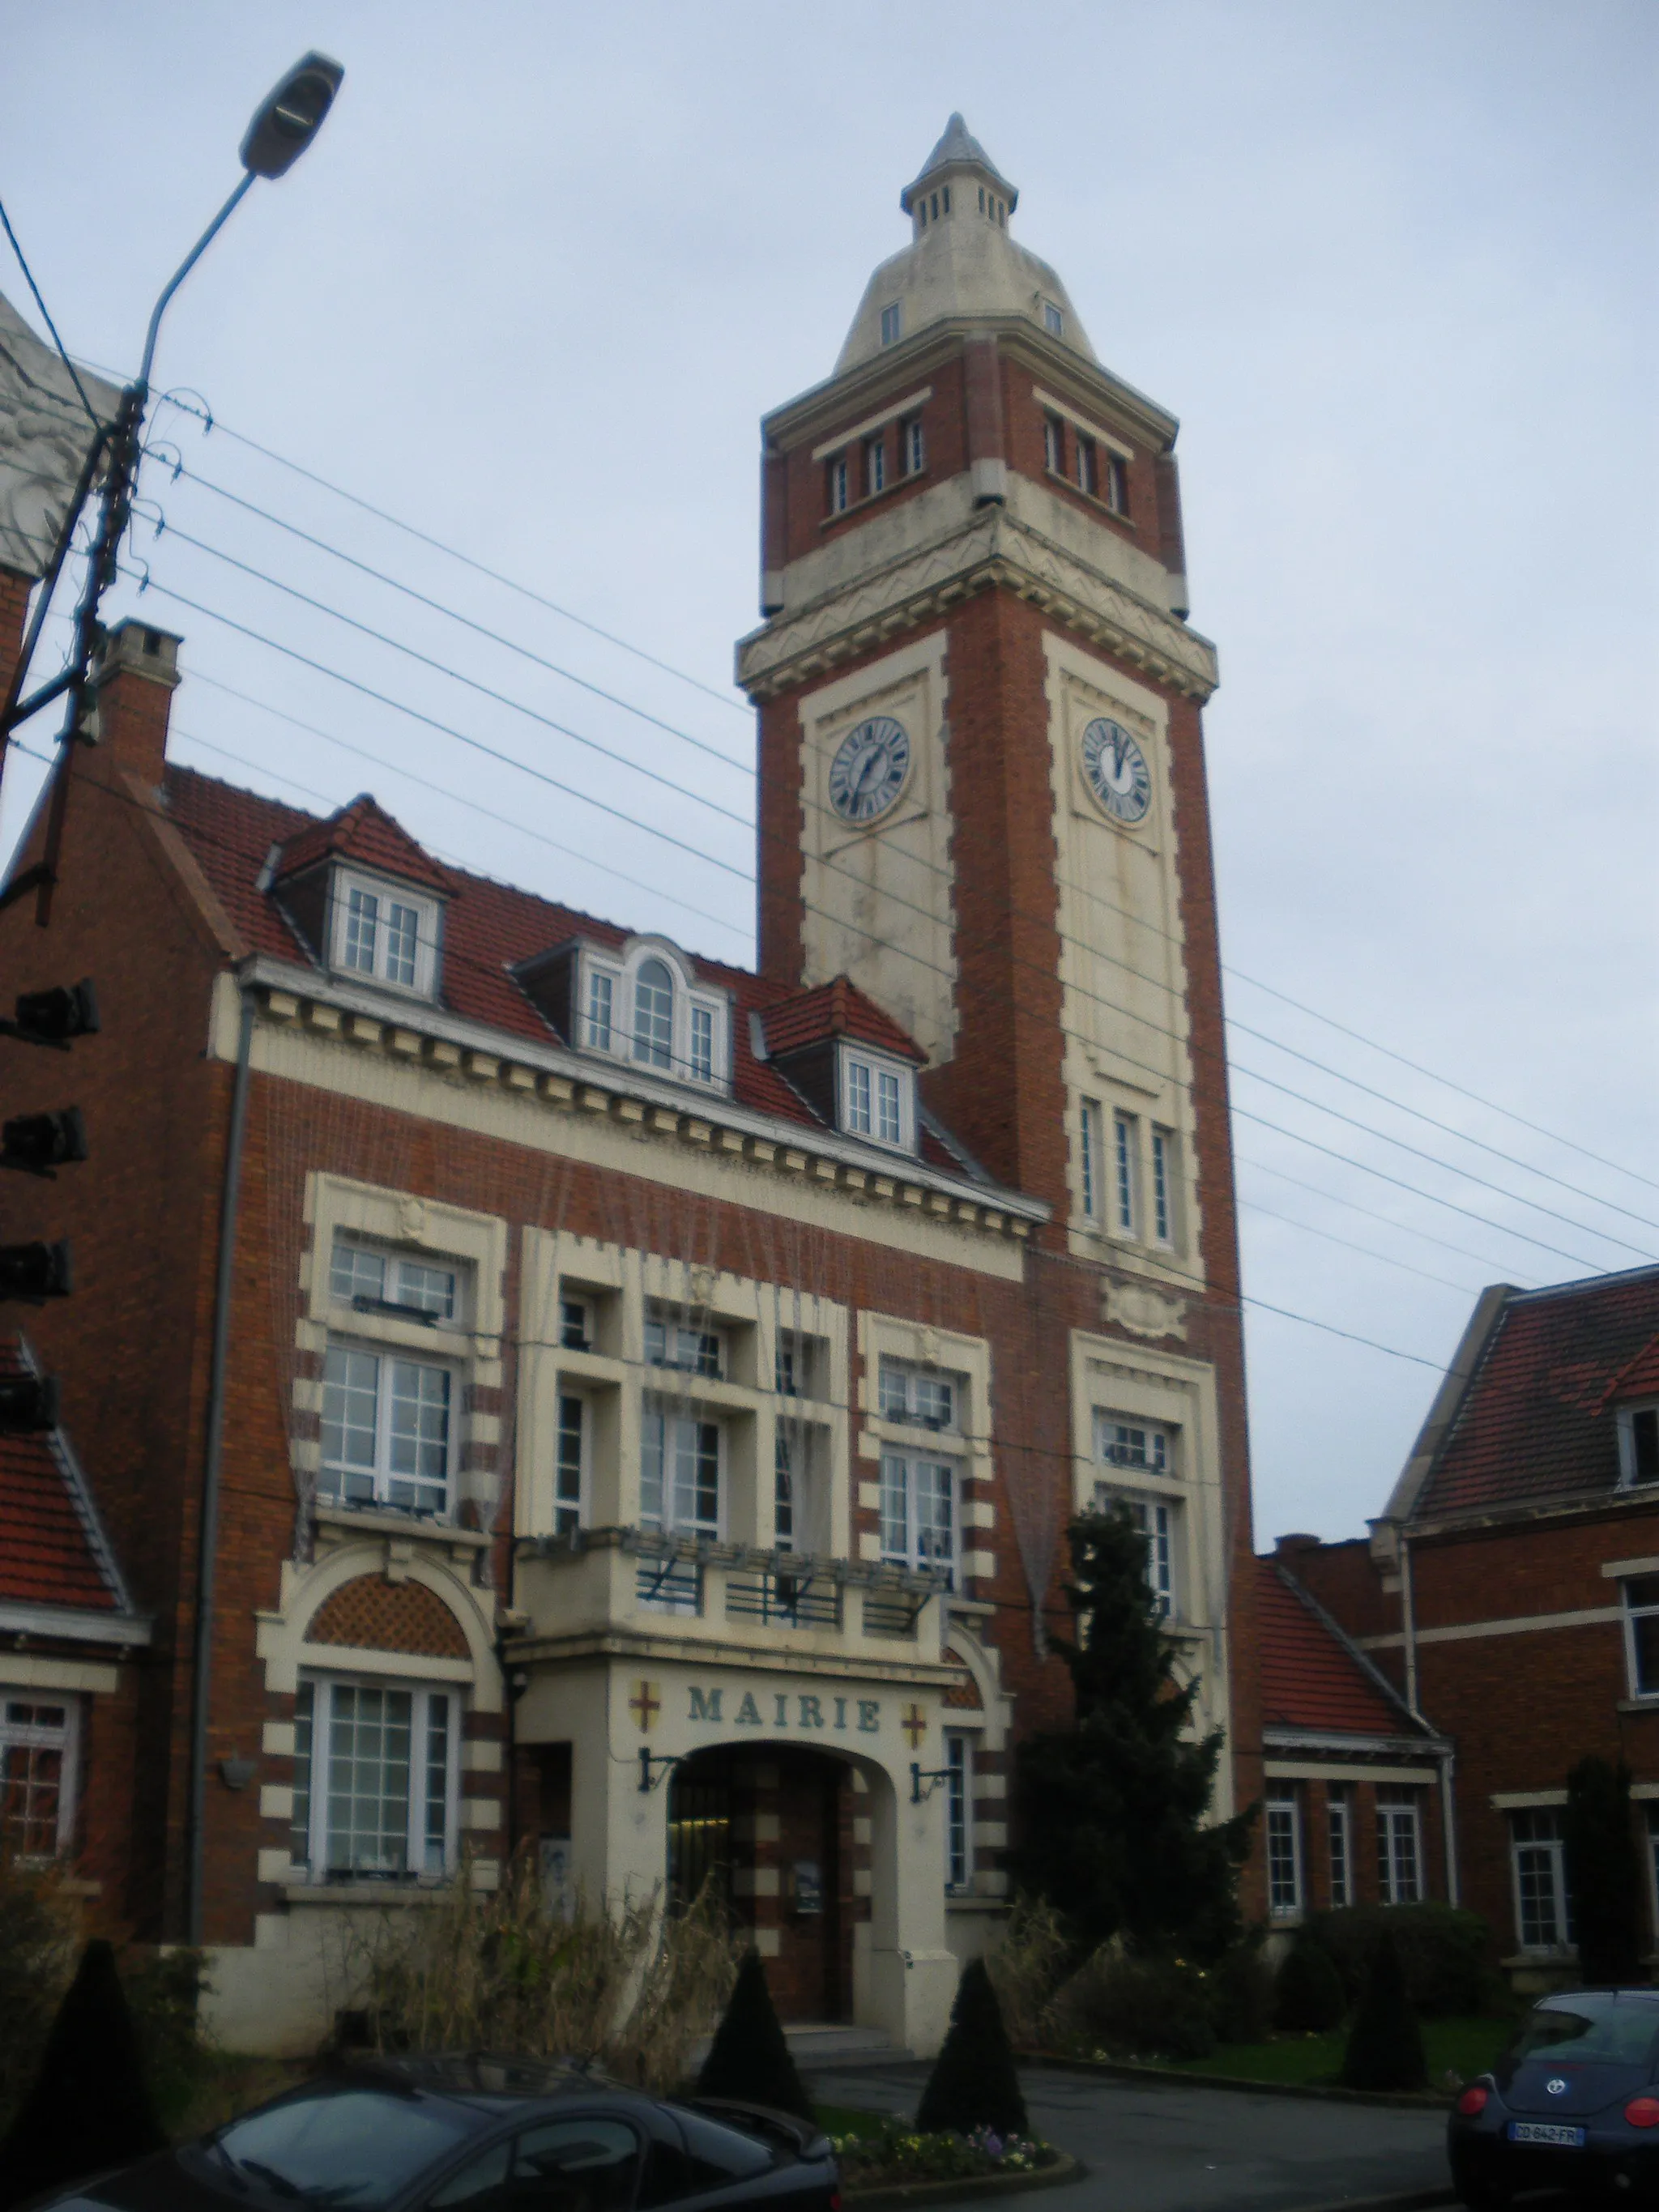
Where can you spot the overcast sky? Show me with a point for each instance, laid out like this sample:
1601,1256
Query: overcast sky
1392,265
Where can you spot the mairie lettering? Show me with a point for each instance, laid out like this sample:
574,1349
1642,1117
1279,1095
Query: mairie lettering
807,1711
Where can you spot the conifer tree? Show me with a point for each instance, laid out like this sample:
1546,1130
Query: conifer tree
1115,1810
750,2059
88,2107
1604,1874
1385,2044
974,2083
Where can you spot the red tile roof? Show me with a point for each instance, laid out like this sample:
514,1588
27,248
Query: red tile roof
363,831
489,929
833,1010
1537,1419
1311,1677
54,1551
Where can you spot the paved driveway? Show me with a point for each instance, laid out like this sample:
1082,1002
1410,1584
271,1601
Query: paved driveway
1151,2148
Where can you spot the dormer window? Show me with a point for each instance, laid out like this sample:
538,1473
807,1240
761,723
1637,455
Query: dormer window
892,322
384,933
1054,321
878,1098
643,1004
1638,1444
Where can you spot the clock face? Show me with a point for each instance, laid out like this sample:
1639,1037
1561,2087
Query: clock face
1117,771
869,769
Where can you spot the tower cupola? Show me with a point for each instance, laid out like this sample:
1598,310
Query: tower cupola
962,264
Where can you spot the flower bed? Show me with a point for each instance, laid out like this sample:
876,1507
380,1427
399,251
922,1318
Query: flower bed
893,2154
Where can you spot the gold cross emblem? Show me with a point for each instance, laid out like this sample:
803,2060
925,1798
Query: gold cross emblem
914,1725
645,1705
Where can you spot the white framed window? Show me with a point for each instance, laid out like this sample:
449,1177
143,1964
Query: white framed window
1164,1185
958,1811
1142,1444
601,1008
671,1343
703,1044
1399,1847
1339,1831
371,1280
653,1015
1089,1156
1085,465
920,1397
1284,1856
793,1363
875,463
1543,1907
386,933
918,1514
1155,1518
376,1779
783,1491
679,1472
1053,444
892,324
839,494
39,1740
387,1430
1125,1147
1638,1444
575,1325
1054,321
1117,483
878,1100
1641,1601
912,445
569,1463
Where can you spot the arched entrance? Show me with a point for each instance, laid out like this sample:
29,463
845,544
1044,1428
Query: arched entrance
771,1826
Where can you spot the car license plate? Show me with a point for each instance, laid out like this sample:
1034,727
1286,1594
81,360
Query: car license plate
1546,2131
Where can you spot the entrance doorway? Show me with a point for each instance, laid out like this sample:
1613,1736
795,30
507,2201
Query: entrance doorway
771,1829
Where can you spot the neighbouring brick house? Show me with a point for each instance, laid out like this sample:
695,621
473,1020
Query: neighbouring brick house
1354,1781
1510,1590
655,1392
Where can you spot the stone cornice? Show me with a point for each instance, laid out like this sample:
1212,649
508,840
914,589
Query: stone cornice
993,549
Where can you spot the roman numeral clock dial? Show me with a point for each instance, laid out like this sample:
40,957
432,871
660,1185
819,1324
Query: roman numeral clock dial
1117,771
869,770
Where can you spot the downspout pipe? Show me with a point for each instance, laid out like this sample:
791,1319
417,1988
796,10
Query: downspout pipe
207,1544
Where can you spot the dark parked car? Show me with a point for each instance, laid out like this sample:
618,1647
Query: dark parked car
1572,2104
481,2134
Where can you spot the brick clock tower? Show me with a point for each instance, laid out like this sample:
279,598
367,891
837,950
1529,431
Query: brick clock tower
983,798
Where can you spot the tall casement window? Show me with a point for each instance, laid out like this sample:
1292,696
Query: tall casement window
783,1491
1641,1596
387,935
1142,1446
913,446
647,1006
875,463
388,1417
571,1460
37,1776
375,1780
682,1345
958,1812
1284,1856
1155,1518
703,1044
1164,1185
1399,1847
1092,1160
837,487
1124,1146
1116,486
1339,1817
919,1511
1543,1908
876,1100
1053,444
679,1472
1086,479
601,999
653,1015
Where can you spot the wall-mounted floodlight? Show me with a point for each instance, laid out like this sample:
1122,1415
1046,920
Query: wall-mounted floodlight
289,117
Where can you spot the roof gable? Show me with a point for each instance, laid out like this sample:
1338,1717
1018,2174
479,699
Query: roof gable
836,1009
55,1552
1312,1677
364,832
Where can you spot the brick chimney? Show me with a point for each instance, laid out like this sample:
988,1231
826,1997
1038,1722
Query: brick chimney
1287,1547
137,675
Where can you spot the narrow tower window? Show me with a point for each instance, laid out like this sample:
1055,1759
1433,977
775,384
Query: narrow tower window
875,463
1123,1150
913,446
1085,465
1053,444
1053,321
836,479
1117,485
892,322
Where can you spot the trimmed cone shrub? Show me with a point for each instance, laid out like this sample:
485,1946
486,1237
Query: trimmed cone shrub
1309,1995
1385,2045
973,2083
88,2107
748,2057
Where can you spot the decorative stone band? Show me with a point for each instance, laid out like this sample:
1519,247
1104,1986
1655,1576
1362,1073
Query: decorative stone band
995,548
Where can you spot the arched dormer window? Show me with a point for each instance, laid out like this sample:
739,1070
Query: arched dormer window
645,1003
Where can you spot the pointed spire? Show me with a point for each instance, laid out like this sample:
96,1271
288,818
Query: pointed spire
958,148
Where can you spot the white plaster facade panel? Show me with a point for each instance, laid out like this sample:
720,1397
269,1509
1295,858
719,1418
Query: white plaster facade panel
1141,1384
1123,978
880,898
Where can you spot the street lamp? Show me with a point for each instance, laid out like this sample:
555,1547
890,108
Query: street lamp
284,126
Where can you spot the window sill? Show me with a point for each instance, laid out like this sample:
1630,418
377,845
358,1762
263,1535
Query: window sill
1647,1704
874,498
1520,1960
378,1520
367,1895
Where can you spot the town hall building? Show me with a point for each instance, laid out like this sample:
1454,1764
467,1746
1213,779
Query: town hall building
546,1390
